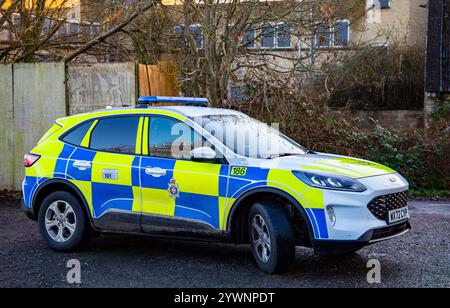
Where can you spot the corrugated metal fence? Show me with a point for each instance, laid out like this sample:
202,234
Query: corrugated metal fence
33,95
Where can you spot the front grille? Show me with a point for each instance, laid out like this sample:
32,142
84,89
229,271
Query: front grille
380,206
387,232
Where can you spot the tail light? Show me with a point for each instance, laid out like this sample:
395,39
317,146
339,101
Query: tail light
30,159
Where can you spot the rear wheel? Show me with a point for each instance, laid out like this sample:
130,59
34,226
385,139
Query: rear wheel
62,222
271,237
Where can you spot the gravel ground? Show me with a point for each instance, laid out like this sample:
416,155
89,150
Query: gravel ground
419,259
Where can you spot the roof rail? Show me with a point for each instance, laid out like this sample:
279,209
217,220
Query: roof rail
144,101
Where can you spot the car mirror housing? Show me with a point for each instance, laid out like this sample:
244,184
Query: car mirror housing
204,154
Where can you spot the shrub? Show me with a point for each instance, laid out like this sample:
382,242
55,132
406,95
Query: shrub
424,162
375,78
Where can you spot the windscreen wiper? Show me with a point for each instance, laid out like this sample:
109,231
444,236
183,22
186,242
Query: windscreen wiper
282,155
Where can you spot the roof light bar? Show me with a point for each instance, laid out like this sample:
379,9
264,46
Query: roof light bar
188,101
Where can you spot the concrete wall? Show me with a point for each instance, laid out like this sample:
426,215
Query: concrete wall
32,97
6,127
93,87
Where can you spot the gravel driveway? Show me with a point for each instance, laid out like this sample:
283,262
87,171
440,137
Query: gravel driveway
419,259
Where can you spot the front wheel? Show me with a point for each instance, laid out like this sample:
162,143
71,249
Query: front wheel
62,222
271,237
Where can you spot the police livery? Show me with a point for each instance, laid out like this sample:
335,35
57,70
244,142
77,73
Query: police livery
182,170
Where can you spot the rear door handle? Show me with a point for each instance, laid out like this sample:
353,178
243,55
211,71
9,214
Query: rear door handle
155,172
82,164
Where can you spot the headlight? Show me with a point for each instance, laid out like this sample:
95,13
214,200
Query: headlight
330,181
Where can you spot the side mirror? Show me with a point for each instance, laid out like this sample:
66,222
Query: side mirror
204,154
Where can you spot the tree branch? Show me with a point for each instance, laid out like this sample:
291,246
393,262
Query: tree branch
111,32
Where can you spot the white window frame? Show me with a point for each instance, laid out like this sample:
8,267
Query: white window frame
262,37
332,33
333,36
316,38
276,35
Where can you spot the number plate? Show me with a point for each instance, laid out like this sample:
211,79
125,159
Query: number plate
398,215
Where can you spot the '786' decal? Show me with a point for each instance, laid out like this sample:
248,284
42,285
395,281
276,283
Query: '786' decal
239,171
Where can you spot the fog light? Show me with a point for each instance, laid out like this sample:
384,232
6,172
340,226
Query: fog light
331,215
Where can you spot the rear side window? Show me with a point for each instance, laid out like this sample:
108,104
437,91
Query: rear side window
76,136
117,135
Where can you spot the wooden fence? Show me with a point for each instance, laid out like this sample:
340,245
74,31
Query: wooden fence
158,80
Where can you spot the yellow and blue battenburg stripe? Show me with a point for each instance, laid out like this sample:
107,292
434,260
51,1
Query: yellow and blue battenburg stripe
205,192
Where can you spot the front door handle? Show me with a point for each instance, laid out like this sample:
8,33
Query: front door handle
155,172
82,164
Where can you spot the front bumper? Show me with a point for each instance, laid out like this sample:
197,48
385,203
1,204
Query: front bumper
355,223
335,247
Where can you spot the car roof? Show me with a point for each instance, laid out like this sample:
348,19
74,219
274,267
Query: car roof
179,112
191,111
187,111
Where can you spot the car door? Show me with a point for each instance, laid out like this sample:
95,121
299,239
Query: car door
179,194
116,196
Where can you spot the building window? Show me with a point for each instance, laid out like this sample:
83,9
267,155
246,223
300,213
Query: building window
249,39
337,35
284,35
323,36
341,33
278,36
238,93
195,30
385,4
268,36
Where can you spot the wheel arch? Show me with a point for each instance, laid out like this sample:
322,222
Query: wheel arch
63,185
242,205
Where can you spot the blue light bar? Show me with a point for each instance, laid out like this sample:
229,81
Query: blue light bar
192,101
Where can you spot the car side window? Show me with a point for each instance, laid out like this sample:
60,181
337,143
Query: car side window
170,138
76,136
117,135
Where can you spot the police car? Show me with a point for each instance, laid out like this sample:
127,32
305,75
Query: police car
171,167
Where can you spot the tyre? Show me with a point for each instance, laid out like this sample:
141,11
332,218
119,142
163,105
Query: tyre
271,237
62,222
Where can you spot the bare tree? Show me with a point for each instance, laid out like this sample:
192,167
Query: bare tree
212,41
43,31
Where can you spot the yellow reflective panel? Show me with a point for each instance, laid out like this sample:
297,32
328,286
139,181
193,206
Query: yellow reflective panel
139,137
225,205
45,166
145,137
86,189
87,137
136,199
197,178
286,181
108,162
313,198
158,202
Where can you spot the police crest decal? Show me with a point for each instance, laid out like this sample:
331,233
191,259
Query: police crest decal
174,191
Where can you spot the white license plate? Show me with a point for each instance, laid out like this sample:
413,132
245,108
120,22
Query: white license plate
398,215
